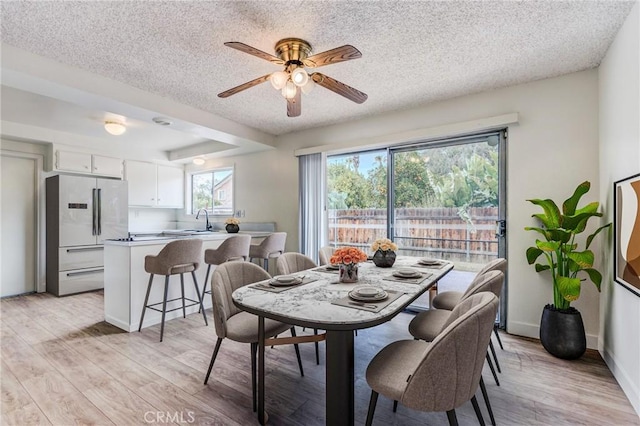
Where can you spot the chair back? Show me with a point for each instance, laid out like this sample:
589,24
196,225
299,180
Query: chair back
290,263
227,278
499,264
450,371
233,248
273,244
325,254
176,257
490,281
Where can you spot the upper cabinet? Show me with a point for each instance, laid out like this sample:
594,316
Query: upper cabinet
79,162
152,185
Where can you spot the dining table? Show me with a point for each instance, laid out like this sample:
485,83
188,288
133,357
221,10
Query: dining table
321,301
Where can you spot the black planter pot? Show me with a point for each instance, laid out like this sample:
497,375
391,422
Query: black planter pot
384,259
231,228
562,332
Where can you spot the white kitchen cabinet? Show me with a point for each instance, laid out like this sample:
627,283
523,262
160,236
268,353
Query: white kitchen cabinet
80,162
170,187
151,185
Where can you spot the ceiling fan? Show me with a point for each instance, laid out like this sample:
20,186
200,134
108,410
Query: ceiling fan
294,80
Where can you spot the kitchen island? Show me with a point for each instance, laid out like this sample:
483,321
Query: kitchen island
125,280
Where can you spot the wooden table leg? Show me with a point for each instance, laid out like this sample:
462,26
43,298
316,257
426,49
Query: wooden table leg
340,378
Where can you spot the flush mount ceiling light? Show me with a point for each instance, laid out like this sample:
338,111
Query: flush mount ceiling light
198,161
294,80
115,128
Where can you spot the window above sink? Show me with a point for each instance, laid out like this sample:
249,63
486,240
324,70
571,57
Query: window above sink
213,190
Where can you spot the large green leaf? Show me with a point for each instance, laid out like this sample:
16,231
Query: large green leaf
551,216
584,259
569,288
570,205
538,230
578,222
547,245
560,235
592,236
532,254
540,268
595,276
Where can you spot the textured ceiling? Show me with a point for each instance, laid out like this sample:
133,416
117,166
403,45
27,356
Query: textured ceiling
413,52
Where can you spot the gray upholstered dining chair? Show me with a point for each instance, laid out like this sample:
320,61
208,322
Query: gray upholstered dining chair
291,263
233,248
440,375
271,247
429,324
177,257
233,323
325,254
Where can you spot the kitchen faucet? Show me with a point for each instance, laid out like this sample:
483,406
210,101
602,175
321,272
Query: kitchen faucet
206,214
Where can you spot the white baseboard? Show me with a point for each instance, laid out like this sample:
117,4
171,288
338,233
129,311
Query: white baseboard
533,330
629,388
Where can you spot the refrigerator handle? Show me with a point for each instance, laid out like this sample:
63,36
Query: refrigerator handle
94,229
99,209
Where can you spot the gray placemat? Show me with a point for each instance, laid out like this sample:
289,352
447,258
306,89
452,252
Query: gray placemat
368,306
419,280
266,287
438,266
327,270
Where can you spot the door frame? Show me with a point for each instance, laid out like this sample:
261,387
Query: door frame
39,225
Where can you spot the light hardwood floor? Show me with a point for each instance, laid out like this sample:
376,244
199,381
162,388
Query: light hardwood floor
62,365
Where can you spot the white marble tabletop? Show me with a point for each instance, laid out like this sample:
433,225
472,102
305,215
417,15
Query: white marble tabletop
310,304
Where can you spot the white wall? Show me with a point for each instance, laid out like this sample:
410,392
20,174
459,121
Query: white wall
552,149
619,89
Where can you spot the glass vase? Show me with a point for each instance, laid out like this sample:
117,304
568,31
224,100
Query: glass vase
348,273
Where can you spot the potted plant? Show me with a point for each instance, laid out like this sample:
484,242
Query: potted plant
232,225
561,328
384,253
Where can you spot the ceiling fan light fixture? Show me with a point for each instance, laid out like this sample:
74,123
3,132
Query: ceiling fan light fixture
289,90
308,87
115,128
299,77
279,79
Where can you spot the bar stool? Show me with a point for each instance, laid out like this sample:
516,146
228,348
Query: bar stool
177,257
233,248
270,247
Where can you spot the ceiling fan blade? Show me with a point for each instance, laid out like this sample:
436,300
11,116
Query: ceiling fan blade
255,52
294,105
333,56
340,88
244,86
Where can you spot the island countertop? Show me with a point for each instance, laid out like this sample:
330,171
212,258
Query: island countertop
163,237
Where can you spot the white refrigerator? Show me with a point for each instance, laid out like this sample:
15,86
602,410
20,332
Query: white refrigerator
82,212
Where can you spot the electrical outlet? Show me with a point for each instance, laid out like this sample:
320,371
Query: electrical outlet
238,213
242,212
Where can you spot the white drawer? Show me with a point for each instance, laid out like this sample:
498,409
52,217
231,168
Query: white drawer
70,282
80,257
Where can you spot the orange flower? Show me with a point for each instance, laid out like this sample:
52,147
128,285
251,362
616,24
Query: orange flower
348,255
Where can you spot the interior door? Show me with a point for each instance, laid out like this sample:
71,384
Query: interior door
19,207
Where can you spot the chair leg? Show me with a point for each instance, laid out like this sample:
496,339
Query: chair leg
146,300
495,331
372,407
453,420
295,345
395,405
493,371
254,388
485,395
315,331
495,358
195,284
164,305
204,286
184,311
476,408
266,264
213,359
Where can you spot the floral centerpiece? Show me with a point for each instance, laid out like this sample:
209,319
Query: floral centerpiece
384,254
232,225
347,258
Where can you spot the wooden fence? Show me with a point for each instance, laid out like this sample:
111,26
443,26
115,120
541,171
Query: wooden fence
436,232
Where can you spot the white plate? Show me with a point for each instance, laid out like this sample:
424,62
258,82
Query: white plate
367,291
401,274
428,262
285,280
378,297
